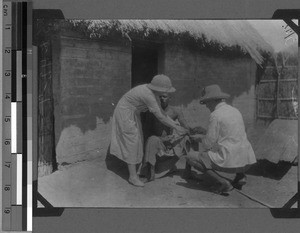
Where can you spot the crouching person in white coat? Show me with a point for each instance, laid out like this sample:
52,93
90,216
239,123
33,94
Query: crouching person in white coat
225,146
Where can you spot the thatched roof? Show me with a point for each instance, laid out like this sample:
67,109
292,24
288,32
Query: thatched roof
225,33
288,56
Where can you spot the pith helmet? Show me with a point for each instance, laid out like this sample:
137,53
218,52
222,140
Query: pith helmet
161,83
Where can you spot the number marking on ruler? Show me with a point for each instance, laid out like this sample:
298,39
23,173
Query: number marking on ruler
6,105
16,214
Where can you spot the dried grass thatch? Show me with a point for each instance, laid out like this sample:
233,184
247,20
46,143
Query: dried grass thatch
288,56
291,49
219,33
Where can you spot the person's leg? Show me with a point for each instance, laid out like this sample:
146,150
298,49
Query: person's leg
224,186
203,163
151,172
187,171
133,177
153,145
192,160
240,179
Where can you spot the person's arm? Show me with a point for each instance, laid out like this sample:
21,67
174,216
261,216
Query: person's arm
154,107
192,130
181,119
168,122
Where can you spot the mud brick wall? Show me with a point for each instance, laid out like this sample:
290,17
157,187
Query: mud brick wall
191,71
93,75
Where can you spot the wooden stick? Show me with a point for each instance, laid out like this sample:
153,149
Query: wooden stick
254,199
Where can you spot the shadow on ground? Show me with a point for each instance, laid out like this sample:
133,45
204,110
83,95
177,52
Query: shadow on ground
270,170
116,165
197,182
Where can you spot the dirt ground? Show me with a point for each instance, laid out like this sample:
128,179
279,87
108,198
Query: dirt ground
103,183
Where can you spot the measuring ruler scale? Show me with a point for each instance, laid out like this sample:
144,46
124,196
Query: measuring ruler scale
17,109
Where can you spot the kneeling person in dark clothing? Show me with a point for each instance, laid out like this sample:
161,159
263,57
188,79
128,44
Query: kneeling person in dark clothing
163,147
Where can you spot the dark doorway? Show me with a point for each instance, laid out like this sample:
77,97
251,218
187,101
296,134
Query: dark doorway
145,57
144,62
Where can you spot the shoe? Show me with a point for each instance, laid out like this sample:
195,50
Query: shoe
143,179
187,175
136,182
239,181
192,176
165,172
242,181
224,188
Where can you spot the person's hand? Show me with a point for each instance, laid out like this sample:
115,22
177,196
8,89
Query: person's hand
198,130
167,138
197,137
180,130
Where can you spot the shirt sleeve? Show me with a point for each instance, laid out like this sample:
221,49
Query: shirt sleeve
152,104
211,136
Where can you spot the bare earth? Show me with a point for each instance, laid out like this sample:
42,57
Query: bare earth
98,183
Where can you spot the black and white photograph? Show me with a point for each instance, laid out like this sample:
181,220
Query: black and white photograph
158,113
